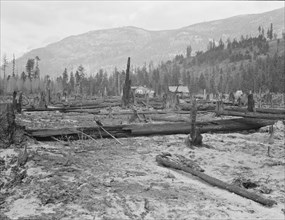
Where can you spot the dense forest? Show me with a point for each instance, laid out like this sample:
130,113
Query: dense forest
250,63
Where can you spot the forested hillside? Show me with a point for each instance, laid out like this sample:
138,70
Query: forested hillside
250,63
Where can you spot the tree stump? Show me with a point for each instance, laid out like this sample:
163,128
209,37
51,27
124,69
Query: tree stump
19,104
195,138
7,124
219,107
147,100
250,103
232,98
164,100
193,119
42,103
14,100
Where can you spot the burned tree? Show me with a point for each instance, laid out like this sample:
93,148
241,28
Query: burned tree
127,87
195,137
250,103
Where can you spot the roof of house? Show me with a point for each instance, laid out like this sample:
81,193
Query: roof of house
183,89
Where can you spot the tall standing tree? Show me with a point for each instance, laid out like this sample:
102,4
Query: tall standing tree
30,68
127,86
23,76
212,84
37,69
79,77
202,82
65,80
220,85
13,65
71,82
188,51
4,65
271,31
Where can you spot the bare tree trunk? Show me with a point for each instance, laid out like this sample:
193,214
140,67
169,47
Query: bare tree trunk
193,119
14,100
219,108
19,104
250,103
119,85
260,99
127,87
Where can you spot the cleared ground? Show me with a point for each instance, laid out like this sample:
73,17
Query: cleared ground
104,180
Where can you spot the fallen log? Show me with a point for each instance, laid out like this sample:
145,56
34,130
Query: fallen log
258,110
253,115
169,118
88,111
205,107
165,161
49,132
133,130
154,112
94,102
70,109
228,125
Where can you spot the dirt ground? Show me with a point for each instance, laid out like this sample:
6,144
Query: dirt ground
86,180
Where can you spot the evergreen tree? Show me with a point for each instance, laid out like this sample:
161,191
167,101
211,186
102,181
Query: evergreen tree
65,80
270,32
202,82
37,69
220,85
4,65
221,44
188,51
30,68
13,65
71,82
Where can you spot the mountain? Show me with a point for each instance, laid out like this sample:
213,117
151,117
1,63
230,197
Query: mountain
111,47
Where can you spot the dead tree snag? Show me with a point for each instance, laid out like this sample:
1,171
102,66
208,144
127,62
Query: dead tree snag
127,87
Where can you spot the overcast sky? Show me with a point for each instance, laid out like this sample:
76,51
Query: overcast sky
27,25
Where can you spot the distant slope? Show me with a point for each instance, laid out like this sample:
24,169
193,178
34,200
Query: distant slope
111,47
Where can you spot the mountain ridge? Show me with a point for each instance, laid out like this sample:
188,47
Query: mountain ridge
107,48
